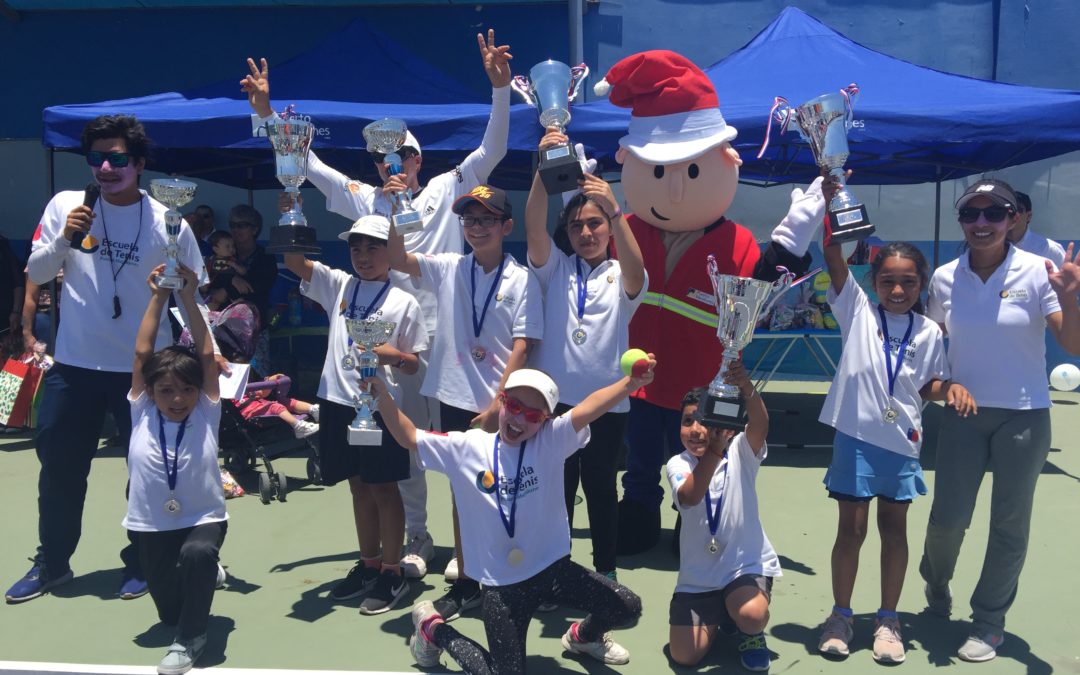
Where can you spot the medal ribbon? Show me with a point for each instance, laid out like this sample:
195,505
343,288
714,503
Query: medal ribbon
713,515
582,288
478,324
367,310
509,523
889,372
170,474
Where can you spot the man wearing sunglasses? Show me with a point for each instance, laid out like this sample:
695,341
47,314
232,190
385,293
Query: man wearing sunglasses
106,246
442,233
1028,240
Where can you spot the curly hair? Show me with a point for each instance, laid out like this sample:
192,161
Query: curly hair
125,127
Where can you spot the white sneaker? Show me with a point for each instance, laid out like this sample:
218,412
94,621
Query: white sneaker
451,573
416,555
303,429
222,577
604,650
314,412
424,651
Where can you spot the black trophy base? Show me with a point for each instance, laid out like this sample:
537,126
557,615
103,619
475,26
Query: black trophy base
559,170
849,224
721,412
293,239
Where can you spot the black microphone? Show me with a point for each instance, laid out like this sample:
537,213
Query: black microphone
90,197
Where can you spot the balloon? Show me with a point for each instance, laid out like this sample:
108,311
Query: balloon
1065,377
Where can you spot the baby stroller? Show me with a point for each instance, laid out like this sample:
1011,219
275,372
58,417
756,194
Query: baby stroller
244,442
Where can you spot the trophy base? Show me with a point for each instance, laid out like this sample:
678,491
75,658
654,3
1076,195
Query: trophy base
293,239
849,224
172,283
359,436
721,412
408,222
559,170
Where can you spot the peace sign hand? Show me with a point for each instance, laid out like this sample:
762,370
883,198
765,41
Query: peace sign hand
496,59
256,85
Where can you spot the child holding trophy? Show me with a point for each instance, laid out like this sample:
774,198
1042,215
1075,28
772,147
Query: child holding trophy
590,299
893,359
372,472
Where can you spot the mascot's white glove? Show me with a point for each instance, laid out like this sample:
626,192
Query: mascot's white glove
587,166
800,226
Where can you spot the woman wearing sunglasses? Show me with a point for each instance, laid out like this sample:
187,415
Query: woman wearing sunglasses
995,302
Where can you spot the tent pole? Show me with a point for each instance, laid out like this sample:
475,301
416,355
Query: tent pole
576,9
250,182
937,216
50,172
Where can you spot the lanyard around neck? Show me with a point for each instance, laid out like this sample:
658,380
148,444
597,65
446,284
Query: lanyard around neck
509,523
478,324
170,472
889,372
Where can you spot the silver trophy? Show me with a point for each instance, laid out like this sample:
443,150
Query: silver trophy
291,137
387,137
550,88
366,333
174,193
739,303
823,123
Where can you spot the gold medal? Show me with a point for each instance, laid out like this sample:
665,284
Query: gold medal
515,557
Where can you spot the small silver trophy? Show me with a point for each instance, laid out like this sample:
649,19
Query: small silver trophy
739,303
366,333
550,87
174,193
291,136
387,137
823,123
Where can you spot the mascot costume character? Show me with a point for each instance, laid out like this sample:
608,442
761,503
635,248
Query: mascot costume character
679,174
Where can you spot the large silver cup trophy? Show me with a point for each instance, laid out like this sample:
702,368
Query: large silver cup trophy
550,87
174,193
823,123
291,137
366,333
387,137
739,303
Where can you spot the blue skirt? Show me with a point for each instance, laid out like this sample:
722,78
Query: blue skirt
864,471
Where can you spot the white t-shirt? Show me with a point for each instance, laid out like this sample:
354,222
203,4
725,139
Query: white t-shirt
333,289
997,342
88,336
579,369
1033,242
198,479
859,393
455,376
744,548
541,530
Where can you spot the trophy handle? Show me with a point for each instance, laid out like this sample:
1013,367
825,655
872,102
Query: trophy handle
520,85
781,112
578,74
850,93
780,286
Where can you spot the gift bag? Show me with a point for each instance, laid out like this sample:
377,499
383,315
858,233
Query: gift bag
18,384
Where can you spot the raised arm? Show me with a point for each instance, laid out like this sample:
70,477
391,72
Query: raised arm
757,417
148,329
298,264
483,160
603,400
693,488
536,209
630,259
834,255
200,334
1065,325
256,84
400,259
399,426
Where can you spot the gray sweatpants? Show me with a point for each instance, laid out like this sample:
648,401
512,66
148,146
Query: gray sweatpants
1013,445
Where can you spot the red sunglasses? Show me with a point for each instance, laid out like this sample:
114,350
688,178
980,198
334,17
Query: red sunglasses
516,407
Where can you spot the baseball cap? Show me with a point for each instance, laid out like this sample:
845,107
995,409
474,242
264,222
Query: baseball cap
371,226
538,381
410,142
1000,192
491,198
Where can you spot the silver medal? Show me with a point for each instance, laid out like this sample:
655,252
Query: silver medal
515,557
172,507
479,353
890,414
348,362
579,336
713,547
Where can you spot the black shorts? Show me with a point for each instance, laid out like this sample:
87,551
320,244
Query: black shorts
708,608
386,463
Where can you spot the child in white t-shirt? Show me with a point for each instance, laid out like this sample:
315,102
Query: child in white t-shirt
175,500
372,471
893,359
726,563
509,488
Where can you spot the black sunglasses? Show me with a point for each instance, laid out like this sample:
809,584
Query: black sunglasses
406,153
235,224
117,160
993,214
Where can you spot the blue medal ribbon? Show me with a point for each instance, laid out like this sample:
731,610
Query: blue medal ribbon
889,372
478,324
509,523
170,473
582,288
711,514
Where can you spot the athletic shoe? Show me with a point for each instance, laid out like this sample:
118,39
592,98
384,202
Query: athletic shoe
303,429
888,643
451,573
463,595
133,587
753,652
425,652
389,588
222,577
416,555
836,634
360,580
604,650
35,583
314,412
182,655
980,647
938,601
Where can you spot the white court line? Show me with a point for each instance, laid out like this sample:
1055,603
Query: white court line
36,668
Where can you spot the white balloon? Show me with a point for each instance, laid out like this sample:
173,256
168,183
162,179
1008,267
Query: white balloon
1065,377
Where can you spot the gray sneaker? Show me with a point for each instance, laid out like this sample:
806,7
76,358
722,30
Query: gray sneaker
980,647
181,656
939,601
836,635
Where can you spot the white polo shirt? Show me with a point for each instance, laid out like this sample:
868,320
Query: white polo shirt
1032,242
455,375
859,393
580,367
997,345
541,530
744,548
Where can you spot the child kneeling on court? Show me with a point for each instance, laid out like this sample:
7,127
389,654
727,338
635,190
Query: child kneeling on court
175,501
509,489
726,563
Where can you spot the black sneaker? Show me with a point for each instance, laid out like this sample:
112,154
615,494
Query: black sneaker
464,594
360,580
389,588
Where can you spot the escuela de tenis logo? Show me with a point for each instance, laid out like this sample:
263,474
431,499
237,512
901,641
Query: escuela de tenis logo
89,244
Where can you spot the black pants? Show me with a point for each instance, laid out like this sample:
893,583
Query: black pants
595,466
454,419
507,611
73,405
181,570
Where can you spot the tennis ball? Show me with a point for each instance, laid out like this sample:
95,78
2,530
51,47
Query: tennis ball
634,362
821,281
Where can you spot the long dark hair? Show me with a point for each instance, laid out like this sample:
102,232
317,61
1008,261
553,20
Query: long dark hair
561,237
902,249
180,362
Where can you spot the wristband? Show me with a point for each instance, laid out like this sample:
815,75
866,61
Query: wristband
400,363
618,212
